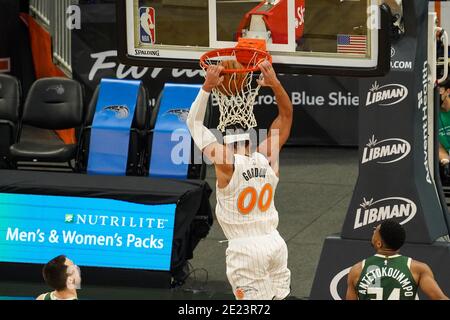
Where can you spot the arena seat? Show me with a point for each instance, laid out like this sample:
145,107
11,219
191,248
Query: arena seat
197,167
138,142
10,94
51,104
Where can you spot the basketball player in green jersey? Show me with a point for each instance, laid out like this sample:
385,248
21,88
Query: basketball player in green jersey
388,275
64,277
444,123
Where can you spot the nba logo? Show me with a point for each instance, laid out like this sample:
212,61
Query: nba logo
147,29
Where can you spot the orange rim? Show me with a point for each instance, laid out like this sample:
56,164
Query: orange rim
227,52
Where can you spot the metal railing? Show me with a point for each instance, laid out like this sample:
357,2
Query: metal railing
62,36
52,15
41,10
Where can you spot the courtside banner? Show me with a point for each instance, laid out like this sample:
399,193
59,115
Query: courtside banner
92,232
110,134
171,138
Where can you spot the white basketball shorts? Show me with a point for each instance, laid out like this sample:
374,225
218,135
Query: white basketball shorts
257,267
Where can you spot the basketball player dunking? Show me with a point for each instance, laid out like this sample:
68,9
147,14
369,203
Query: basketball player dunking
256,256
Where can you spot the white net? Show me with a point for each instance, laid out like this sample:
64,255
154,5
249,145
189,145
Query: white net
237,108
236,95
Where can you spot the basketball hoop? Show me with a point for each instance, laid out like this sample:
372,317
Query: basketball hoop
236,95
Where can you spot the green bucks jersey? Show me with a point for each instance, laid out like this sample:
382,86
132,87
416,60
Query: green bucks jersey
51,296
444,129
386,278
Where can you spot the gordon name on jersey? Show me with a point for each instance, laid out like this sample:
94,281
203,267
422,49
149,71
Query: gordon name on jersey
254,173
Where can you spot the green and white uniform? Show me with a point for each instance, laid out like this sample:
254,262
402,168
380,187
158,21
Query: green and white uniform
51,296
386,278
444,129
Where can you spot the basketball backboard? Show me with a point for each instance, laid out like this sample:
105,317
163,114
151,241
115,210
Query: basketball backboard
345,37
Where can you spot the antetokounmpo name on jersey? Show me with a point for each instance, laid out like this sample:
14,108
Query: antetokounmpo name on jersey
254,173
374,276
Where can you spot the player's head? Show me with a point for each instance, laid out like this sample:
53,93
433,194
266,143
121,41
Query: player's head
237,136
444,90
388,235
61,273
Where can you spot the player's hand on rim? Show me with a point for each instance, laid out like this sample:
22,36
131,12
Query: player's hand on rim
269,77
213,77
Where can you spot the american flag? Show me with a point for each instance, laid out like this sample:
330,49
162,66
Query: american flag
351,44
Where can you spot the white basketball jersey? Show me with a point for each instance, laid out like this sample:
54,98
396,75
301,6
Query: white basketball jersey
245,207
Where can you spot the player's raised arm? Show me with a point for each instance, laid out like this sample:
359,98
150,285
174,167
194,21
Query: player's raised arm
426,281
202,136
352,279
280,128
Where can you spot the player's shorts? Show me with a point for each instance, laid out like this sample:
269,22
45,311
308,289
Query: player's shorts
257,268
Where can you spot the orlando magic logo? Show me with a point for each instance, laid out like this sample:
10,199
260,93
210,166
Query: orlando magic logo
121,112
241,292
182,114
59,89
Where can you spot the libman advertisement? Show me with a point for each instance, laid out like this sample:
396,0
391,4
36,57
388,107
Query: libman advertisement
90,231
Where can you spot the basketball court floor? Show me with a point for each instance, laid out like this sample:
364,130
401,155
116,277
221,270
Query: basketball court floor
315,188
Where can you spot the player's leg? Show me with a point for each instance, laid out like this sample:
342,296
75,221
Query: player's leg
278,270
247,273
